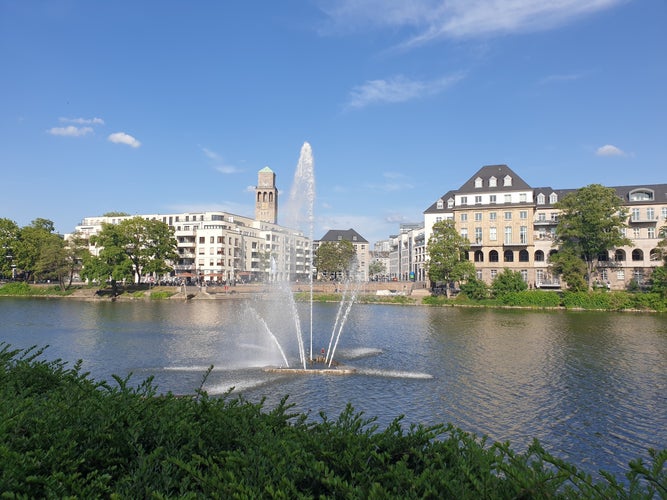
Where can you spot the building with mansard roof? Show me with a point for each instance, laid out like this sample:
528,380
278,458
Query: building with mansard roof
511,225
361,247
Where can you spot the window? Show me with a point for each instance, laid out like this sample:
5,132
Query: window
440,204
508,256
619,255
493,234
479,256
523,197
464,217
478,235
523,215
202,240
492,200
523,235
493,257
438,219
508,215
540,199
508,198
651,232
478,182
542,217
635,233
524,275
492,216
450,203
507,181
604,275
539,256
553,198
637,255
523,255
478,200
493,182
620,275
464,232
464,200
663,212
641,195
650,213
478,274
508,235
635,214
478,216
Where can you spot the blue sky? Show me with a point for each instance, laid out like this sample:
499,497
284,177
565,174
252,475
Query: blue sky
172,106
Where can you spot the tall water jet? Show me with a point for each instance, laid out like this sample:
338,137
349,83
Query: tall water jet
300,215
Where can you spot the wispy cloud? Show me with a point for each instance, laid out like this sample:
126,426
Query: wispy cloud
123,138
561,78
397,89
70,131
82,121
221,166
432,20
393,182
609,150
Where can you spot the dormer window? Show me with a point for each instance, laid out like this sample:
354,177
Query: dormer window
553,198
478,182
440,204
540,199
493,182
507,181
641,195
450,203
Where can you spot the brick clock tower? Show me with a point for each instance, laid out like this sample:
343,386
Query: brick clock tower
266,196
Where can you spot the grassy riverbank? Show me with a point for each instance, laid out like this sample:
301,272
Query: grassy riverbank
533,299
65,435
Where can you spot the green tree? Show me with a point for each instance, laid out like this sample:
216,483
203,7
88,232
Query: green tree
335,258
376,267
659,280
475,289
590,224
448,251
9,237
571,268
130,249
508,281
32,241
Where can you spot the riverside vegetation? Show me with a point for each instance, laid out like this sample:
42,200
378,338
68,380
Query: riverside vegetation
63,434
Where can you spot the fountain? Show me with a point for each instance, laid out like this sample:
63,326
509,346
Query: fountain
299,212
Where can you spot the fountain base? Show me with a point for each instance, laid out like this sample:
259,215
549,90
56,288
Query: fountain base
338,370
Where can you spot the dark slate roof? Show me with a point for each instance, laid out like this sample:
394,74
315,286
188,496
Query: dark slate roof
433,209
345,234
659,192
497,171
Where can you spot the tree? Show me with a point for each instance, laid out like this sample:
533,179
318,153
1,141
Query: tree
590,223
508,281
9,237
571,268
32,241
376,267
448,251
130,249
335,257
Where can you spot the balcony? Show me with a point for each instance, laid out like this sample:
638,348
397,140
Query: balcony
545,222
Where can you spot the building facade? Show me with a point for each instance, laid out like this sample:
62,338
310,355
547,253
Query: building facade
511,225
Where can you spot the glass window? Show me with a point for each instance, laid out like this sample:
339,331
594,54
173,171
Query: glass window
493,234
478,182
464,217
540,199
651,232
493,182
650,213
508,198
464,200
478,216
553,198
492,216
508,215
523,214
508,235
523,234
440,205
492,199
635,214
478,235
507,181
478,200
522,197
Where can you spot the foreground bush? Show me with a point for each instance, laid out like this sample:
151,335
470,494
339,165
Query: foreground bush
63,434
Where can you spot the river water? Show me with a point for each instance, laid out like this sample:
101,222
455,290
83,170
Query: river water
591,386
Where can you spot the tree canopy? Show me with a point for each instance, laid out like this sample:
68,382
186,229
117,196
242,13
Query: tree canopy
130,249
335,258
448,252
591,223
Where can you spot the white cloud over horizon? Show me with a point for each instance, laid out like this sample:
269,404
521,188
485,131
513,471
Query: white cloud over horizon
70,131
123,138
82,121
609,150
432,20
397,89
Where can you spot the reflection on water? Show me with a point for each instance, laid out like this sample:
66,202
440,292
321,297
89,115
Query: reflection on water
590,386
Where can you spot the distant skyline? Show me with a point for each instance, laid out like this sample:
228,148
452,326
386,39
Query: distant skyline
172,106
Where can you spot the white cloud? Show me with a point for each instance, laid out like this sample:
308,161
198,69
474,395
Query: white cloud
609,150
397,89
394,182
123,138
211,154
70,131
438,19
82,121
228,169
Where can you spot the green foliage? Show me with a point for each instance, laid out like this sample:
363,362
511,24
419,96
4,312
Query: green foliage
448,251
536,298
475,289
335,257
659,281
571,268
590,224
160,295
65,435
23,289
507,281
